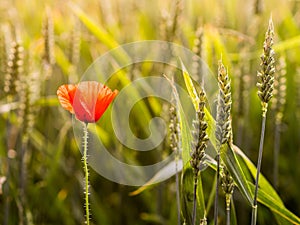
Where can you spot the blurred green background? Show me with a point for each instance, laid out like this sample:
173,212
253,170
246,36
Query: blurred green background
45,44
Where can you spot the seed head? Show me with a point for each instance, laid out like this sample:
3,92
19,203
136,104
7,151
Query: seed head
223,121
266,73
280,90
200,136
227,184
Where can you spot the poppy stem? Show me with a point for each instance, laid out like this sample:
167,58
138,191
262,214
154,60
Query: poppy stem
86,172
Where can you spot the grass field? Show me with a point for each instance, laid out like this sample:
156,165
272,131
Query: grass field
45,44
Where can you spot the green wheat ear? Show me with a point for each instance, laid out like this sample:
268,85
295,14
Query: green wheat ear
227,185
74,50
198,50
174,129
170,22
48,34
200,136
280,90
265,85
223,121
14,69
266,74
5,41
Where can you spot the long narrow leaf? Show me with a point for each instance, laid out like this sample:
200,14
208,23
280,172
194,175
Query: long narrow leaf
266,194
100,33
274,205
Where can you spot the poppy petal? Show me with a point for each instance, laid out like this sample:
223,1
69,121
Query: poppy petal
105,97
88,100
85,101
66,95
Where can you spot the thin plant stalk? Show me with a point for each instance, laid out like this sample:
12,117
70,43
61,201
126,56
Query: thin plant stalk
175,143
6,188
177,194
223,124
194,200
228,216
265,88
261,146
199,146
217,189
228,212
228,188
86,173
22,184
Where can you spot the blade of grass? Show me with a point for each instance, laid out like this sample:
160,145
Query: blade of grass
273,205
276,204
100,33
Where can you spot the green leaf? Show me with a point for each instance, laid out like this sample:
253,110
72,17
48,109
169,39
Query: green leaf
190,86
266,193
262,181
233,166
62,60
169,170
96,29
274,205
101,34
50,100
200,199
187,187
233,219
187,184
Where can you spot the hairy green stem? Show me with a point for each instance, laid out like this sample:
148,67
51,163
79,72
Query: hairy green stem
261,144
86,173
217,189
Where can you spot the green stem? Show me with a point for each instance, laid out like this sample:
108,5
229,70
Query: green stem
195,198
227,216
22,179
228,199
217,189
261,144
9,145
86,173
177,193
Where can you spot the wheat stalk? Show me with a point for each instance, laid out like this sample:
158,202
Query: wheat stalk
174,129
199,146
223,123
265,89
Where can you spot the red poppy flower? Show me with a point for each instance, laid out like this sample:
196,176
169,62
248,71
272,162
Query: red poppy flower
88,100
